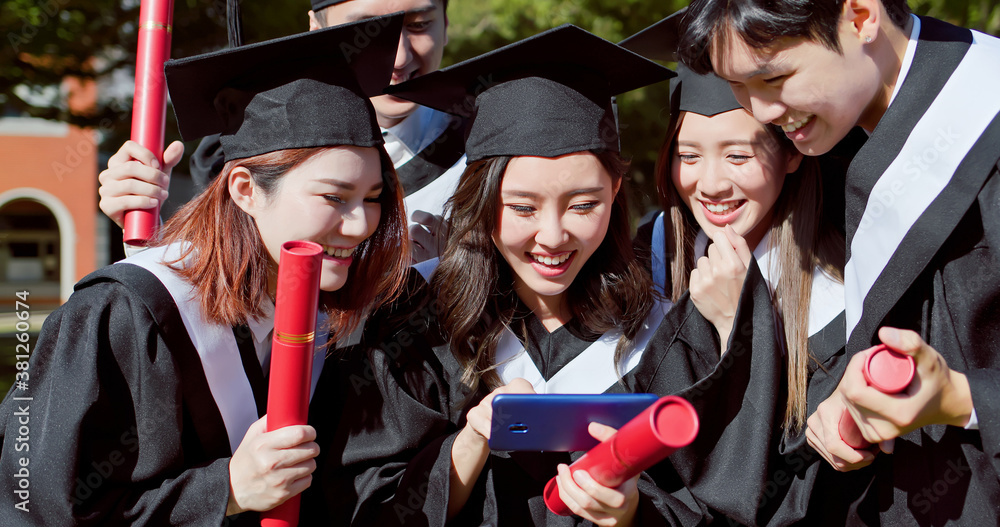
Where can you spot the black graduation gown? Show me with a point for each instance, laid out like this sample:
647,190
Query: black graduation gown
122,425
376,406
509,490
942,280
741,468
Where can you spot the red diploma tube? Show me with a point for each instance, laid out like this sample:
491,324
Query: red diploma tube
149,105
668,424
292,348
886,371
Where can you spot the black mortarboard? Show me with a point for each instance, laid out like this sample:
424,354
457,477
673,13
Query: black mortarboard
305,90
689,92
547,95
320,4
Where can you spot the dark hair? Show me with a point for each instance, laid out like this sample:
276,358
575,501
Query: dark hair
228,264
761,23
799,232
475,285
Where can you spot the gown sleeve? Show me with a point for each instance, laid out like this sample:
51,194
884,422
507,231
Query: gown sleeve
103,433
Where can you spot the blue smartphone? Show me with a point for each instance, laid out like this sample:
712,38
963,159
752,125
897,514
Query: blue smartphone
558,422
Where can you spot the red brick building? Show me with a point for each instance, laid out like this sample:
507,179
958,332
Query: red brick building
48,203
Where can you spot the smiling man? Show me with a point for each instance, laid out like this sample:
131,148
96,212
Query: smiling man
922,226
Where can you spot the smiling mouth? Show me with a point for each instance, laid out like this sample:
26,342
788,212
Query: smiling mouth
551,261
337,252
722,208
789,128
395,80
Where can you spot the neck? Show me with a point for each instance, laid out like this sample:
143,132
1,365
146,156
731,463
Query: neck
888,52
553,311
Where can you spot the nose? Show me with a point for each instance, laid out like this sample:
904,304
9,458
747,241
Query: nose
551,232
355,223
714,182
404,53
765,109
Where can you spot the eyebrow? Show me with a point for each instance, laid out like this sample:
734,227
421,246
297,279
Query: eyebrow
349,186
527,194
730,142
365,16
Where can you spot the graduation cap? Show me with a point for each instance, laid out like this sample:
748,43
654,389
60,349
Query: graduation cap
322,4
305,90
547,95
707,95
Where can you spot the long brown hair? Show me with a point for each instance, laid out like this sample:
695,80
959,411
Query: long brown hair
228,265
475,284
803,241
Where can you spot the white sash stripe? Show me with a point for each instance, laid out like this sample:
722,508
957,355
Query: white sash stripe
216,346
926,163
592,371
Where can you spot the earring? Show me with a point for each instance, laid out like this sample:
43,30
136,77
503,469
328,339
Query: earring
868,39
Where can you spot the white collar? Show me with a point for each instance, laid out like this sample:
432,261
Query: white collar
261,327
418,129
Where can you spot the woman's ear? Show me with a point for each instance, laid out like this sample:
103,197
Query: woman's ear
794,160
244,191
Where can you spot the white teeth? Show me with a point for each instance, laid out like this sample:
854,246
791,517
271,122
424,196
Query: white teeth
337,252
788,128
550,260
720,208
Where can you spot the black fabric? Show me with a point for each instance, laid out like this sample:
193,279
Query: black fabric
376,407
321,4
305,90
435,159
942,282
251,367
207,161
546,95
113,368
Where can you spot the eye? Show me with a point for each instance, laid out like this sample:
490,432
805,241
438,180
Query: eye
419,27
585,207
374,199
521,209
774,81
688,158
334,198
739,159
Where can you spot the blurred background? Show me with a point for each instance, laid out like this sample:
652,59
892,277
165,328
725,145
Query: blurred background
66,84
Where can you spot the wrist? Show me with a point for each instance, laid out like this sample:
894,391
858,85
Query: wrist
956,401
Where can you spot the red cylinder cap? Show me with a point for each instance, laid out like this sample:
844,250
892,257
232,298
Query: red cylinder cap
675,421
889,371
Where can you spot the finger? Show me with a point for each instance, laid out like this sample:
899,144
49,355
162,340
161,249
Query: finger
125,203
132,170
426,218
291,436
603,497
172,155
887,446
132,188
739,245
725,250
903,341
132,150
575,498
519,385
600,432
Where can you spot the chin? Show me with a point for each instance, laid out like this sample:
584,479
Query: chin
393,107
333,283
